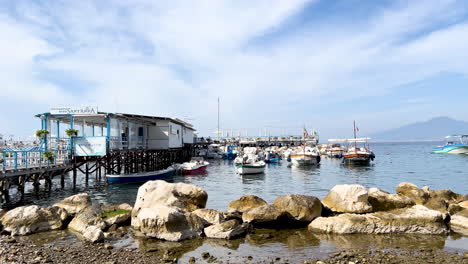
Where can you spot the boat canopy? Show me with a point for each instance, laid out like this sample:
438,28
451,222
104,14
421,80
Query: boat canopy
450,136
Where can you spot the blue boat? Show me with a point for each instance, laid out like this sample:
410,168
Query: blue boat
231,152
455,144
272,157
141,177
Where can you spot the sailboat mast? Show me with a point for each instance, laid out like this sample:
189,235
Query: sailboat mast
355,143
218,119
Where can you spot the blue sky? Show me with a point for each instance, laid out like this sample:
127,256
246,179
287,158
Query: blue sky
276,65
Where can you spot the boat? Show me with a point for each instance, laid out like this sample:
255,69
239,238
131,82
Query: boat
358,155
194,167
272,157
334,150
250,167
230,153
454,144
141,176
305,156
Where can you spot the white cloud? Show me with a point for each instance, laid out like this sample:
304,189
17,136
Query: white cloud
175,58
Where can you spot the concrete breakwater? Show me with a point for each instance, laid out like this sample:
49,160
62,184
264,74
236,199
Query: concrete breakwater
175,212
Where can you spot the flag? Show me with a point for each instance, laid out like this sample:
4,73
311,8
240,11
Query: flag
305,132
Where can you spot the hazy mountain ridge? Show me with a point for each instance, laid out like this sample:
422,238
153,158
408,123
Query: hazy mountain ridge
434,129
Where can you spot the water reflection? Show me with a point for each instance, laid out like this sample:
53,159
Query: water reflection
252,178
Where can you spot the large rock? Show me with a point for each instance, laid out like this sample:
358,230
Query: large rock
348,198
458,218
302,208
74,204
384,201
93,234
167,223
266,216
464,204
90,216
116,214
227,230
210,216
440,200
416,219
410,190
32,219
245,203
184,196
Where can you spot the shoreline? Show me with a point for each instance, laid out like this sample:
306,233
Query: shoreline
23,250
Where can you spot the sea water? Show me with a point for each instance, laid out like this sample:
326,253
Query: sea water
394,163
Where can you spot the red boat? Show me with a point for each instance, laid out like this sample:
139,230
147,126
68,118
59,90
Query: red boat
194,167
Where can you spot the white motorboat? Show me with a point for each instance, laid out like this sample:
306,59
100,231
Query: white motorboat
305,156
251,168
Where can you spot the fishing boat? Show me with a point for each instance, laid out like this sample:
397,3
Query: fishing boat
141,176
334,150
230,153
454,144
272,157
358,155
251,167
305,156
194,167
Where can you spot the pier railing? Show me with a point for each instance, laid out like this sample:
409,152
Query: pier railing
18,160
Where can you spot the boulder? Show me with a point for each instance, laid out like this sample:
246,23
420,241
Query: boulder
384,201
93,234
302,208
441,199
90,216
245,203
410,190
210,216
116,214
348,198
118,219
32,219
155,193
464,204
167,223
417,219
227,230
266,216
458,218
75,203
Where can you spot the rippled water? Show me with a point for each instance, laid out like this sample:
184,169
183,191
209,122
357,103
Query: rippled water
395,163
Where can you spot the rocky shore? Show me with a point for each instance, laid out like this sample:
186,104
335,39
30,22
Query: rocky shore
166,213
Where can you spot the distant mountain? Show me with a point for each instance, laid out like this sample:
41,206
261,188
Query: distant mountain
434,129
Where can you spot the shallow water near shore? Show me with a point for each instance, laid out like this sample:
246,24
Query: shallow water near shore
395,163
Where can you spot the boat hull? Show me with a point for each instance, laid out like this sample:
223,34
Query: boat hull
273,160
249,169
198,170
453,149
304,160
358,159
140,177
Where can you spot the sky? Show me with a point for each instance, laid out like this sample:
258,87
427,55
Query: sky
275,65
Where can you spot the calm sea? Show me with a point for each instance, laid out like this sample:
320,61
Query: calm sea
394,163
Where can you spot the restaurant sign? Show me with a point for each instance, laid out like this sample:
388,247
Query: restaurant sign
84,110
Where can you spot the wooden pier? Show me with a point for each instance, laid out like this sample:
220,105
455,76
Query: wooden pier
116,162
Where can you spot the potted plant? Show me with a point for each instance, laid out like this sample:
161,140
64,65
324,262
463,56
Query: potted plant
42,133
71,132
48,156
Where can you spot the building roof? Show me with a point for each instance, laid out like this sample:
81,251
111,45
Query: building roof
127,115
